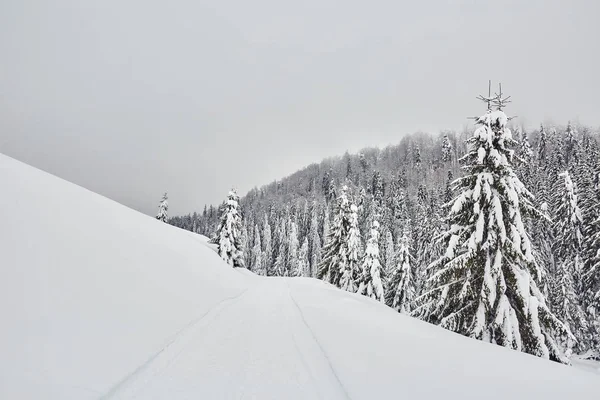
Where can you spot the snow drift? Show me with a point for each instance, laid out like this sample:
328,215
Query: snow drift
99,301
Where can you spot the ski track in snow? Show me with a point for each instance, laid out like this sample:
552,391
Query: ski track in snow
316,341
271,297
136,380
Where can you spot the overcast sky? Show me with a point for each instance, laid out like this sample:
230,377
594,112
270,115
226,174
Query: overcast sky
134,98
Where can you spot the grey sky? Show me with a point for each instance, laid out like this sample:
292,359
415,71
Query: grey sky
132,98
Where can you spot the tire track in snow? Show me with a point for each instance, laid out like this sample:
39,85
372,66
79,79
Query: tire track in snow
169,352
312,334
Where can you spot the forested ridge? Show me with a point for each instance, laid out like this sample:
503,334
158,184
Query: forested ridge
480,231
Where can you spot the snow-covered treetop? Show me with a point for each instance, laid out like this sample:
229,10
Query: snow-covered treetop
232,198
232,195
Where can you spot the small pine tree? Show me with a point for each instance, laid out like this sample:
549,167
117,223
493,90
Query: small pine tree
229,234
163,209
371,284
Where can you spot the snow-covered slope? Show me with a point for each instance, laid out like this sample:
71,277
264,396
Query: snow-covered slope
99,301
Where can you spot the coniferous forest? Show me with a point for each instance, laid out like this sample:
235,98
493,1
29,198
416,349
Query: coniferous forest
493,232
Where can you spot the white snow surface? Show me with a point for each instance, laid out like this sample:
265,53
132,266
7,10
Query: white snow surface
101,302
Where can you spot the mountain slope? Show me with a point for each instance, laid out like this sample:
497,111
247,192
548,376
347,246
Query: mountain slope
99,301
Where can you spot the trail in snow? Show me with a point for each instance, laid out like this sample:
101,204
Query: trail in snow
161,360
239,348
323,353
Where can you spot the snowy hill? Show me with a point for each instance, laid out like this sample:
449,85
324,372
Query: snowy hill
99,301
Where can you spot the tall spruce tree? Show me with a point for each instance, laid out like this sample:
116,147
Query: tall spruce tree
542,150
486,284
268,249
229,234
371,282
340,252
280,264
293,246
400,286
258,265
303,261
349,269
591,291
390,253
314,242
567,249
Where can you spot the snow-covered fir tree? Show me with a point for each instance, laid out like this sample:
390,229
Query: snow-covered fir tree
421,238
486,284
567,247
591,291
258,265
568,221
246,244
314,243
448,193
280,264
377,188
572,150
542,241
163,209
341,250
303,261
229,234
371,282
542,150
349,268
267,257
293,247
336,237
390,253
525,159
400,289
